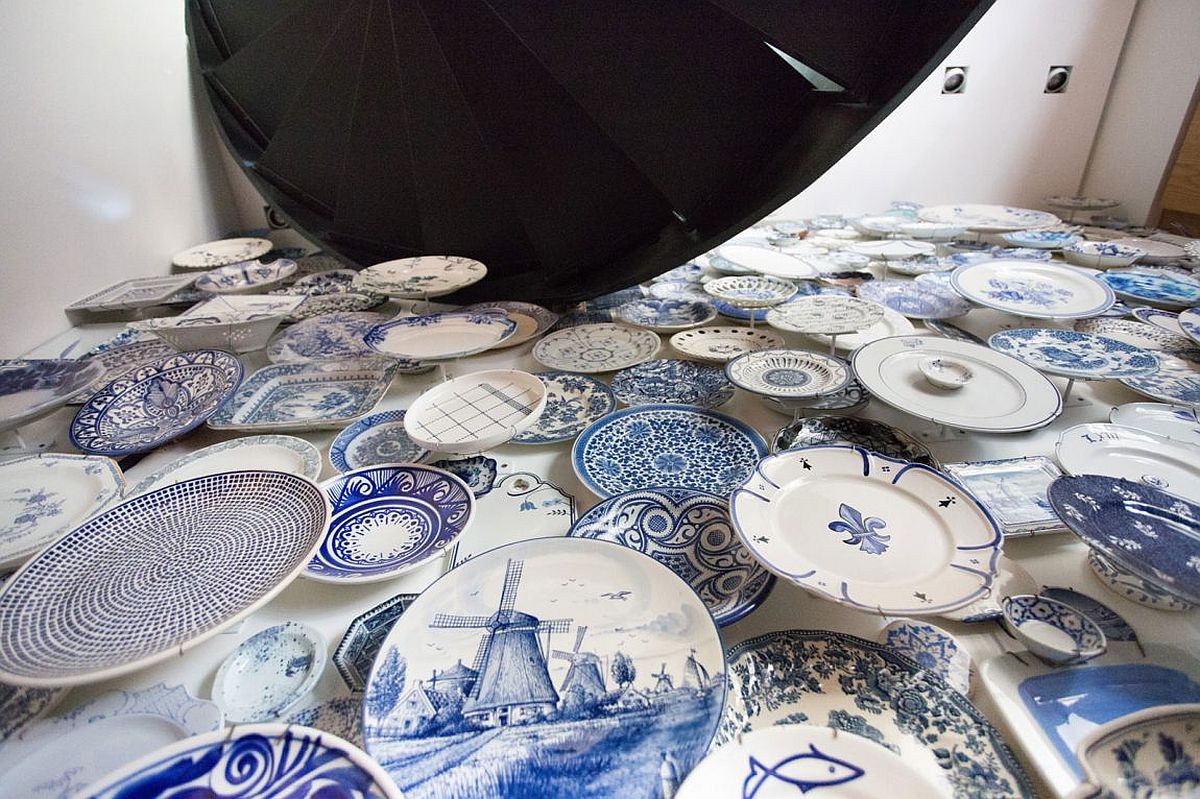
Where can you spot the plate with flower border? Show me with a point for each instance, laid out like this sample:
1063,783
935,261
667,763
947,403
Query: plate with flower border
621,607
269,672
915,300
689,532
603,347
876,533
247,277
374,440
49,494
62,755
866,433
988,218
931,647
273,452
421,277
330,336
722,344
1014,491
221,253
1139,334
751,291
155,403
1149,753
1142,529
542,319
1178,422
1135,455
829,314
832,679
1069,353
276,759
1157,286
30,389
669,381
1033,289
439,336
665,315
305,396
673,446
1189,322
1177,380
788,374
573,401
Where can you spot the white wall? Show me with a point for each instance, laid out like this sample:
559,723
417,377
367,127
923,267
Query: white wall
1003,140
104,170
1150,97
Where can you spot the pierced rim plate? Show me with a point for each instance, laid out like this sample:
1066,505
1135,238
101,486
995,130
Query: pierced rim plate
1070,353
372,441
721,344
751,291
475,411
1135,455
829,314
422,276
1033,289
603,347
916,300
767,261
267,452
788,374
221,253
916,543
269,672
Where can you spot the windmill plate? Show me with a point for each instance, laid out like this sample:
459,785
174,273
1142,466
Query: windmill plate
573,401
374,440
388,520
865,689
721,344
561,666
221,253
690,532
603,347
272,452
874,533
1032,289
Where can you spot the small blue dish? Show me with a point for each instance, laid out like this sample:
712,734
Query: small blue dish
1055,632
374,440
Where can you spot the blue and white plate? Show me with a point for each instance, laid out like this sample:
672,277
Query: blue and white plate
20,707
751,291
931,648
766,261
723,344
1101,254
952,331
690,272
119,360
246,277
364,636
1125,583
46,495
1151,533
1167,320
374,440
915,300
477,471
32,388
838,680
1013,490
1056,633
1032,289
156,575
1189,321
666,315
520,506
689,532
1132,454
1111,623
666,380
674,446
1139,334
678,290
345,302
1020,253
388,520
866,433
988,218
269,673
1158,286
604,347
572,403
439,336
1177,422
332,336
788,374
267,759
853,397
476,411
137,292
421,276
1151,753
867,531
921,265
1177,380
1070,353
543,318
726,266
155,403
545,663
266,452
305,396
221,252
1040,239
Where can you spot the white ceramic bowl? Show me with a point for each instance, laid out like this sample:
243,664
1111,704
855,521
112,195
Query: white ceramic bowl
229,333
946,373
1101,254
1053,630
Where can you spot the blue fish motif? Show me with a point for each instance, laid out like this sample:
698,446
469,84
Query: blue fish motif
807,771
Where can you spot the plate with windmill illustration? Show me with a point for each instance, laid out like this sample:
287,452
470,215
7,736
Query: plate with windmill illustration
878,534
508,676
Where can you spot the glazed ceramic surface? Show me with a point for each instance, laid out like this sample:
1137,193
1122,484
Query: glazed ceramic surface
666,315
1167,320
1011,578
799,758
521,506
677,290
439,336
596,348
1073,354
476,411
119,360
1004,395
988,218
1133,587
1036,290
423,276
345,302
122,619
328,337
304,396
893,249
1155,251
1116,451
47,495
30,389
721,344
221,252
1141,529
921,265
1040,239
511,706
233,332
477,471
848,400
1101,254
1161,287
947,373
950,331
866,433
1013,490
1151,753
1114,627
374,440
246,277
833,679
136,292
268,452
915,300
1139,334
689,532
269,672
243,306
1178,422
829,314
932,648
789,374
1189,322
681,382
388,520
270,759
671,446
750,291
340,715
365,634
572,403
60,757
931,231
156,402
1177,381
20,707
1055,632
766,261
543,318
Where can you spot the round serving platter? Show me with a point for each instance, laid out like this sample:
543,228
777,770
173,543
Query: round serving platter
665,315
788,374
721,344
603,347
1033,289
539,319
671,381
33,388
573,402
439,336
267,452
1176,380
421,277
766,261
374,440
893,323
221,253
1177,422
1115,451
1167,320
988,218
1069,353
914,299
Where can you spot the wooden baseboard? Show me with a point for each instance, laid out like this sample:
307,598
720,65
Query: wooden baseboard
1182,223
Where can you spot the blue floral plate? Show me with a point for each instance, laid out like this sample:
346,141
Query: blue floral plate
915,300
155,403
252,760
32,388
1033,289
365,634
269,673
666,315
689,532
1070,353
1189,322
673,446
332,336
666,380
1151,753
1177,380
374,440
388,520
1159,286
572,403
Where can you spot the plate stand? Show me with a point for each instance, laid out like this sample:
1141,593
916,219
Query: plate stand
12,444
1075,401
941,432
833,342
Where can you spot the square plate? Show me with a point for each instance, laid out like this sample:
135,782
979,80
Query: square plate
1014,491
304,396
138,292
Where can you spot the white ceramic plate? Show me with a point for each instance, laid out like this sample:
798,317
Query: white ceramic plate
1115,451
825,313
440,336
269,672
874,533
423,276
788,374
476,411
1003,396
270,452
604,347
893,249
721,344
1178,422
988,218
766,261
893,323
221,252
1034,289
